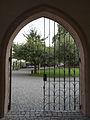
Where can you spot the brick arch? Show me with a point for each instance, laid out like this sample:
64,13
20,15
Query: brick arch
58,16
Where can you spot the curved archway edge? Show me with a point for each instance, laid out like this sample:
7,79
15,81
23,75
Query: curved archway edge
58,16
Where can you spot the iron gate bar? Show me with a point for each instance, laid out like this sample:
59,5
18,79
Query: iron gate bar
49,69
54,68
59,66
79,80
10,80
64,72
44,45
69,74
74,80
44,68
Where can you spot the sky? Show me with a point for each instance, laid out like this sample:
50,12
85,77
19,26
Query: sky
38,25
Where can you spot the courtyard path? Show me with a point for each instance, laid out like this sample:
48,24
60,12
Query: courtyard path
27,100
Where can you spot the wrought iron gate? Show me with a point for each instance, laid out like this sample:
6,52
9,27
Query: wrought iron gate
61,90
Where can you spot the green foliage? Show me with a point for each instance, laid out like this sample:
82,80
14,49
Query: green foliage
34,46
66,49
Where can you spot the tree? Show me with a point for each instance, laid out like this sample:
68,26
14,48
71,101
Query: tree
17,51
66,49
35,48
32,51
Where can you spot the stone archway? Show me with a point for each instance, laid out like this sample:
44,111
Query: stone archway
19,23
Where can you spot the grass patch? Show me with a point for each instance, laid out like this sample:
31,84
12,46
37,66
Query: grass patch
57,71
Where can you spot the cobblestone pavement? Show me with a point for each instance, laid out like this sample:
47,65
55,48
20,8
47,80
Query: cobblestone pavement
27,94
26,91
47,115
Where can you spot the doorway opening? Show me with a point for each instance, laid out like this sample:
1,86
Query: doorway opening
51,67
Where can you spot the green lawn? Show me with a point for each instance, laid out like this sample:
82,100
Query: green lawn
57,71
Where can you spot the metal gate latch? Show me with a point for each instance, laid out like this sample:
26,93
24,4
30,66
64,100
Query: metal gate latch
45,77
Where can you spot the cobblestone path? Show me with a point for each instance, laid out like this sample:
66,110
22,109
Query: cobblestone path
27,100
40,115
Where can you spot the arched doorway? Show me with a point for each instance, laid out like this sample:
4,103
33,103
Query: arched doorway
58,16
52,56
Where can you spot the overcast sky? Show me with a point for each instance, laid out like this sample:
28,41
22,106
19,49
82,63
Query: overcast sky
37,24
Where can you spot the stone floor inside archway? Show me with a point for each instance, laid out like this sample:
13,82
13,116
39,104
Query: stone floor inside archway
21,108
40,115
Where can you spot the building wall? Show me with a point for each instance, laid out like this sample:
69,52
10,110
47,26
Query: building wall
77,12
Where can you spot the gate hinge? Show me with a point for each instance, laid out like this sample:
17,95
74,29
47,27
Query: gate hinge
9,107
80,107
80,60
9,59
